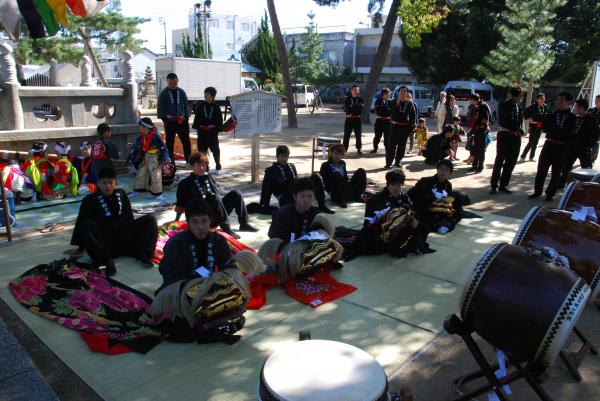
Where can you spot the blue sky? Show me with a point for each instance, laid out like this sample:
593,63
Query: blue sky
292,14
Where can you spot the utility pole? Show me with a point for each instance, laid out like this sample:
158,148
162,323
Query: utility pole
162,21
203,12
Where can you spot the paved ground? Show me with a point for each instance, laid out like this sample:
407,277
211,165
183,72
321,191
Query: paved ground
425,374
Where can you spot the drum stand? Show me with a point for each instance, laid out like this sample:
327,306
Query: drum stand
572,363
453,325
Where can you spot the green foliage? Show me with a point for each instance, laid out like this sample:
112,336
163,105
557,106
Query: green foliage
108,30
263,54
524,53
576,40
458,44
195,48
335,74
312,65
294,60
419,17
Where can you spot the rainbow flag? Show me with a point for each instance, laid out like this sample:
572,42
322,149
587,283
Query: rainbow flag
44,17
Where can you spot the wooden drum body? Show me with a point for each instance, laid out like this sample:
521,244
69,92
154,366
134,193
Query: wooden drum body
578,241
578,194
521,304
320,370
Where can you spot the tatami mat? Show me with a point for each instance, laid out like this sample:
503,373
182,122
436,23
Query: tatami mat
398,308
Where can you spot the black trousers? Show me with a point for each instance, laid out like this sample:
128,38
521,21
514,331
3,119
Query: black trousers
433,157
353,124
210,140
507,154
137,239
480,137
342,191
534,138
552,155
269,188
382,128
183,131
397,143
235,201
583,153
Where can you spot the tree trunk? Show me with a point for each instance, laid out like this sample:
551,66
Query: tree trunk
285,65
90,52
379,60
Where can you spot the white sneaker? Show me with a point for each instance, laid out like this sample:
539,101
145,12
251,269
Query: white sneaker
443,230
132,195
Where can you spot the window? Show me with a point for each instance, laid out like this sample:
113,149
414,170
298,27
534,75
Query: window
330,56
485,95
214,23
245,27
230,25
116,68
459,94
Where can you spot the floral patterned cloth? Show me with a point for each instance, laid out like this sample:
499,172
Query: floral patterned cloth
85,300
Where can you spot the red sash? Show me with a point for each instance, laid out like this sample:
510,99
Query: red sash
147,140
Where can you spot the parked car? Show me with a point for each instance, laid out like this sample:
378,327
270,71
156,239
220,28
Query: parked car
304,94
421,96
463,89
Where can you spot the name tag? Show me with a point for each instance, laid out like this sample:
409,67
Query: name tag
203,272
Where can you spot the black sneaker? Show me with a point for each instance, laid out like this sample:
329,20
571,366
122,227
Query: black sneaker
359,152
110,270
505,190
218,167
373,151
493,191
534,196
325,209
549,198
342,204
387,167
248,228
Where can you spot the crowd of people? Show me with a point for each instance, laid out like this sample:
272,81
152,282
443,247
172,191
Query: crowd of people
302,239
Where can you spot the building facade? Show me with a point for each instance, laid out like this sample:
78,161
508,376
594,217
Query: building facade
395,69
227,34
112,65
338,47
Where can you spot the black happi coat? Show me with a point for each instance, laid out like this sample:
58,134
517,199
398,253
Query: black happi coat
287,221
587,132
423,198
538,114
404,112
384,199
279,181
331,176
184,253
208,114
510,116
383,107
353,105
205,187
560,126
113,215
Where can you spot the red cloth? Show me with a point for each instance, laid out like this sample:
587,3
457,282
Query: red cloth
317,289
259,286
99,343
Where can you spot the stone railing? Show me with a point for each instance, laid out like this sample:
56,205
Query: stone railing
29,114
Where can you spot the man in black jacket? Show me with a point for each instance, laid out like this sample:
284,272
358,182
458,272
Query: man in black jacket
208,121
559,128
438,146
383,119
105,226
586,136
404,121
537,113
508,140
294,219
279,181
353,108
480,131
173,110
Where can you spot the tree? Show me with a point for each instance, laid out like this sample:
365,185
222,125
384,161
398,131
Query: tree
195,48
285,67
576,40
419,17
458,44
263,54
311,66
294,60
524,54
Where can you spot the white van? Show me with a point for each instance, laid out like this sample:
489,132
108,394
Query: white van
422,97
249,84
463,89
303,94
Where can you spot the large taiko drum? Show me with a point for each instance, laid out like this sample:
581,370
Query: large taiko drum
596,178
521,304
321,370
578,194
578,241
583,174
